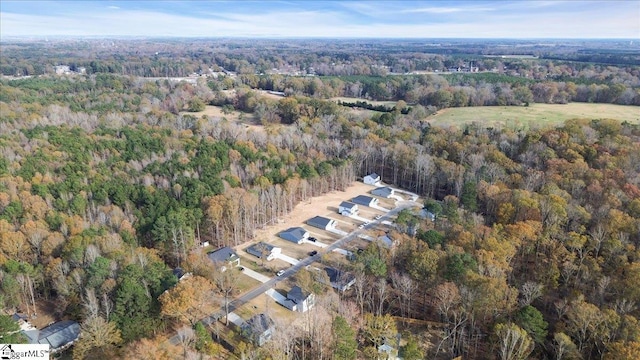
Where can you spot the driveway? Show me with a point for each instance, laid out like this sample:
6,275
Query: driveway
360,218
343,252
378,207
255,275
276,296
317,243
339,232
288,259
234,318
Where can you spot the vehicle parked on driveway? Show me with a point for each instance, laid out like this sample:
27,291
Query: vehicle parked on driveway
313,253
280,273
313,239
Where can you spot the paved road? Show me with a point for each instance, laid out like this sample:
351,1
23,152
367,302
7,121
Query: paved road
257,291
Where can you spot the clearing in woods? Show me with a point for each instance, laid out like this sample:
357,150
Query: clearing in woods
533,116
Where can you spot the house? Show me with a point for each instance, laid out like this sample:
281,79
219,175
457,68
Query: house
372,179
261,249
295,234
223,257
347,209
322,222
388,351
62,69
385,192
58,336
299,300
339,280
387,241
365,200
259,329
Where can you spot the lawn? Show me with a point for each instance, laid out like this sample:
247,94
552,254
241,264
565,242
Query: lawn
534,116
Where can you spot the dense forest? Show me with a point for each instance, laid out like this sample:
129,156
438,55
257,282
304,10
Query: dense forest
107,183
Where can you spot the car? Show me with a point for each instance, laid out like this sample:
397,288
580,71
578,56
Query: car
313,239
313,253
361,226
241,268
280,273
378,217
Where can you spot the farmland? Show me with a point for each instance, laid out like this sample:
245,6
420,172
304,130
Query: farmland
533,116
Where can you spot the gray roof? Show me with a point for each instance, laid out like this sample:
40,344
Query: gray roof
224,254
383,191
294,234
258,324
56,335
259,249
297,295
319,222
337,276
374,175
347,205
362,200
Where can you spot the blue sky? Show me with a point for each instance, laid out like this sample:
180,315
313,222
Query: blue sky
329,19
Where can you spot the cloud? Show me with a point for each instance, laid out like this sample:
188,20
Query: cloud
329,20
445,10
113,7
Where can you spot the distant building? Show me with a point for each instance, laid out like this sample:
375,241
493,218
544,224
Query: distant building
261,249
371,179
62,69
223,257
295,234
322,223
348,209
58,336
259,329
385,192
365,200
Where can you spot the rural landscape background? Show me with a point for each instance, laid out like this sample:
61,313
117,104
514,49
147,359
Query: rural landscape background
455,197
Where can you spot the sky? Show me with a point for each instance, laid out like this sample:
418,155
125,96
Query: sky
323,19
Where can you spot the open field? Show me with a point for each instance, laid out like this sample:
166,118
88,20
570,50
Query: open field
534,116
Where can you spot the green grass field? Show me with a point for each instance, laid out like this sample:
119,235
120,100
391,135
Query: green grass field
534,116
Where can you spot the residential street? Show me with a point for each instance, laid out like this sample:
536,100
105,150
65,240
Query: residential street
257,291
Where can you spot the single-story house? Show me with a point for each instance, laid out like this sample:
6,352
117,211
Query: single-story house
384,192
223,257
322,222
347,209
299,300
426,214
371,179
259,329
261,249
340,280
58,336
365,200
295,234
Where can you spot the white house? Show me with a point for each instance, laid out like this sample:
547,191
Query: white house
347,209
295,234
322,223
223,257
263,249
372,179
299,300
365,200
